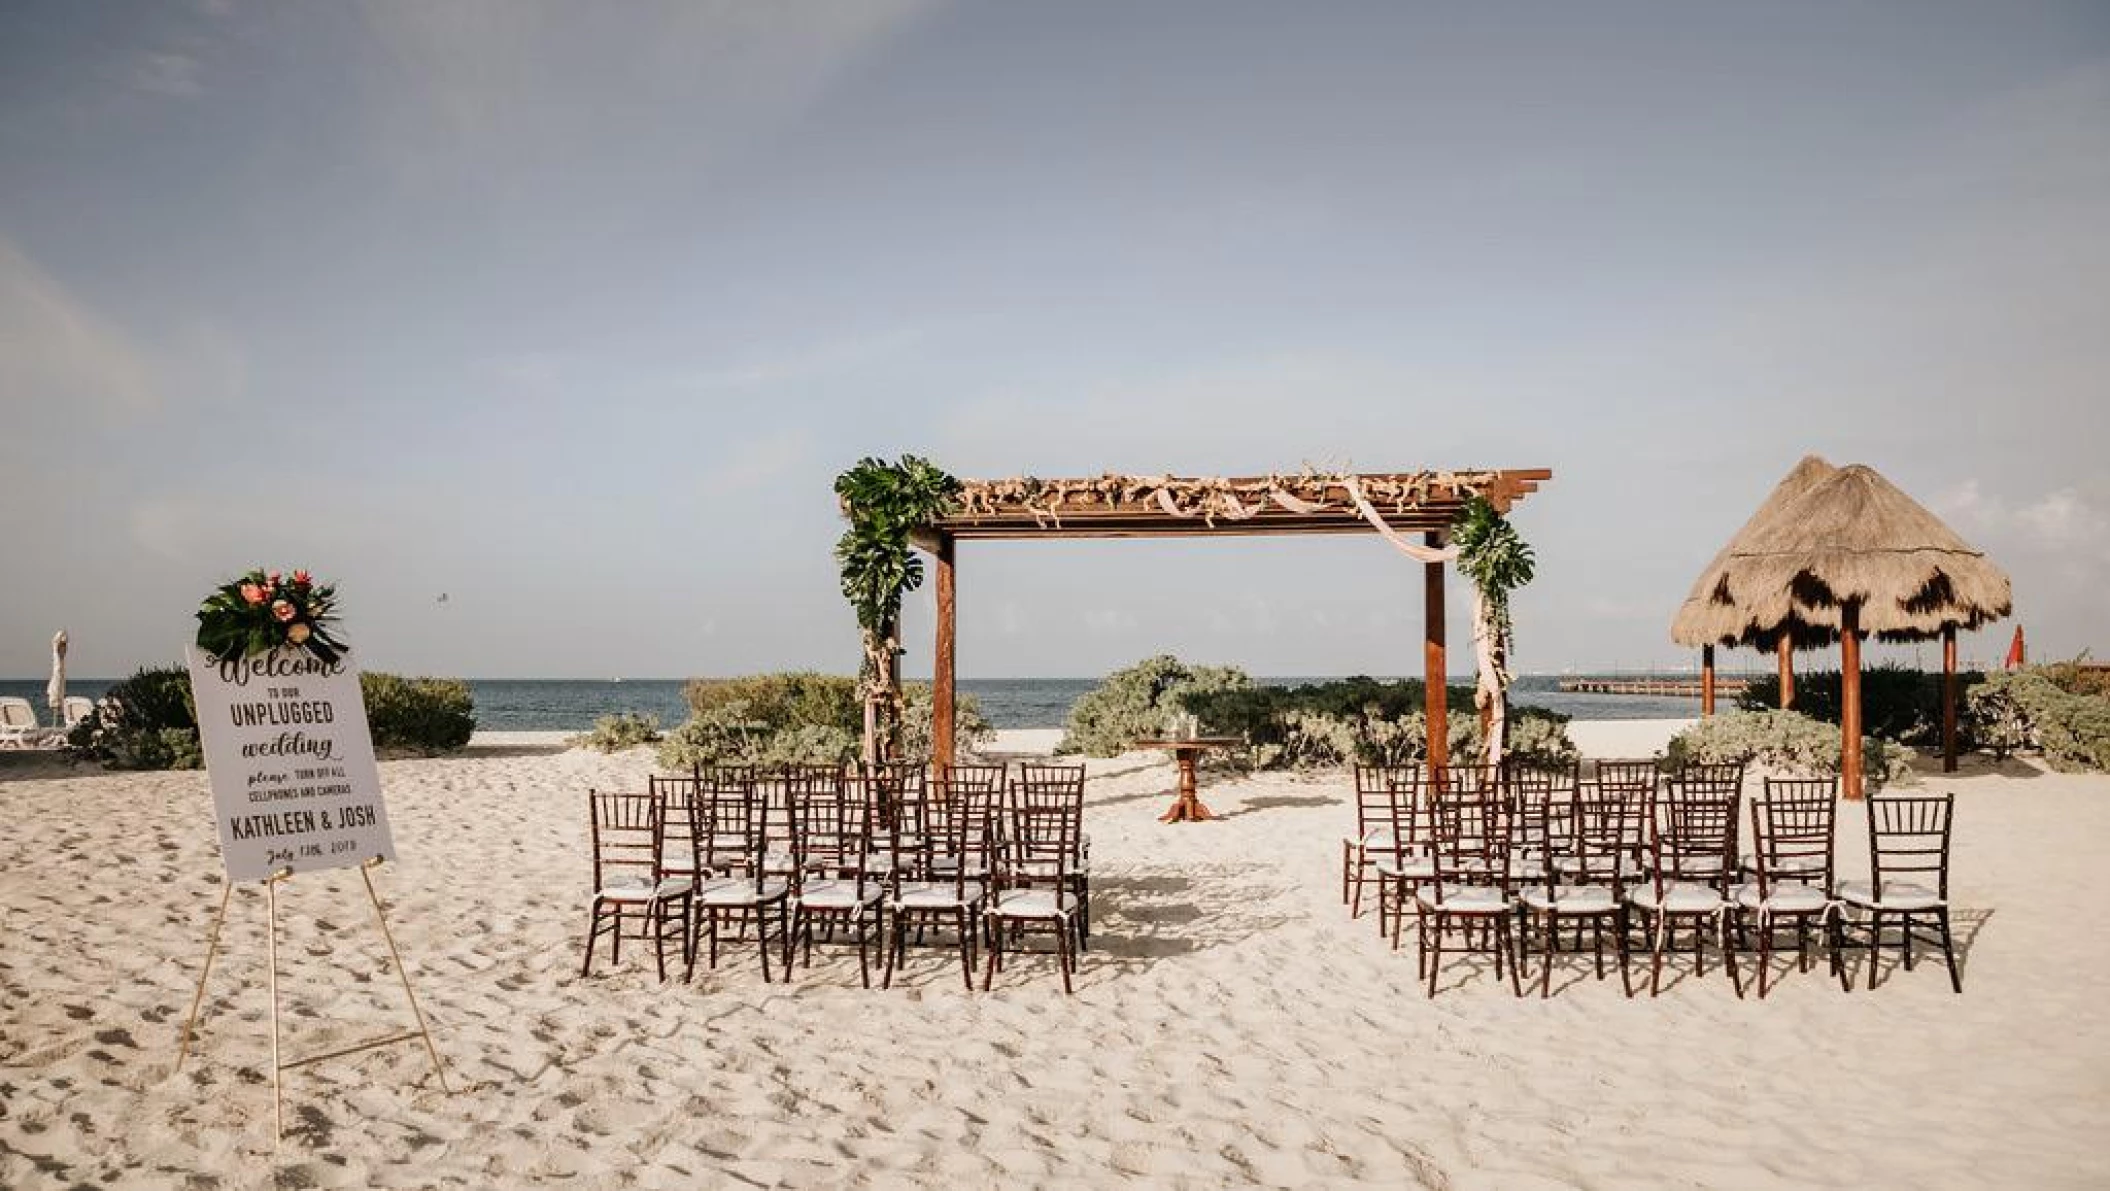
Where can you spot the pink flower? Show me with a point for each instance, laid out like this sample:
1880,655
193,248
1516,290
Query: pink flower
283,610
301,577
273,576
252,594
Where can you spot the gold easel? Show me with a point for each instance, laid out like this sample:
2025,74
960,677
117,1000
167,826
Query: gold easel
279,1068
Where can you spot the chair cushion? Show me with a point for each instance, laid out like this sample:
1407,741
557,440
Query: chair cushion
1895,895
1411,868
937,895
1680,897
741,891
1570,899
1032,903
639,888
837,894
1787,897
1464,899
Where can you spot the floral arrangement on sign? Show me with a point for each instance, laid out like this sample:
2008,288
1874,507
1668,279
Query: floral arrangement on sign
265,610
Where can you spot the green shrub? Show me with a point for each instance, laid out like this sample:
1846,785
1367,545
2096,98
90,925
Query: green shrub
1321,725
148,721
1785,743
969,729
800,718
2076,678
2028,708
1897,703
418,715
774,702
1140,702
614,733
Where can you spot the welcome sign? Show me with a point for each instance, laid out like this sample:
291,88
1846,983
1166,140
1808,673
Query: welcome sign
294,784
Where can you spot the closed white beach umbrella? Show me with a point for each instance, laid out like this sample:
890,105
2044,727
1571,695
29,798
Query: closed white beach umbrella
55,691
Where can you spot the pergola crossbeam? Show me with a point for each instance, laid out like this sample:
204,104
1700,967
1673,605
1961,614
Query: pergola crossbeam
1424,504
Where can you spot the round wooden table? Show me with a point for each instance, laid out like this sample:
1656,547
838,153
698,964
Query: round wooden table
1187,807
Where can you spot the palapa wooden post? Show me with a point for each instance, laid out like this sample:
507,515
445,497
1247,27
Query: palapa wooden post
1706,680
943,668
1435,669
1850,700
1786,650
1948,698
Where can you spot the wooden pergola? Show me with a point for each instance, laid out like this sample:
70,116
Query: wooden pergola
1406,503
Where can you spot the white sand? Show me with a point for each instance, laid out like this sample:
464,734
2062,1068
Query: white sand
1232,1026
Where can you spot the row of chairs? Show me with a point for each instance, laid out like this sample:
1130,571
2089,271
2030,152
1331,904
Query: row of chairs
1491,855
802,852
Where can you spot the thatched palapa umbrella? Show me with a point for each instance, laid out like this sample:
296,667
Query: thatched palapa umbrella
1856,548
1699,624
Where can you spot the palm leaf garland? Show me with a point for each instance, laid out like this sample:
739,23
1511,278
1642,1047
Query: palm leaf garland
885,503
268,610
1498,561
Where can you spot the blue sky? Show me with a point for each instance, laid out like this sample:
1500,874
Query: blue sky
572,311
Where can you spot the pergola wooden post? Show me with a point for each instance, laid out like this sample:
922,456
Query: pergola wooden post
1948,698
944,667
1435,666
1706,680
1130,507
1850,700
1786,650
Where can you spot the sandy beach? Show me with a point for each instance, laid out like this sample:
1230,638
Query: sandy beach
1231,1026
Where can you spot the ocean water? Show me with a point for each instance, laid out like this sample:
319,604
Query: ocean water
572,705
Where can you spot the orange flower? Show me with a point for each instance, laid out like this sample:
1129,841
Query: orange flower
283,610
296,633
301,577
252,594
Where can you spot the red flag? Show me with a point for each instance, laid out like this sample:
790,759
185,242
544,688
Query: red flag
2017,653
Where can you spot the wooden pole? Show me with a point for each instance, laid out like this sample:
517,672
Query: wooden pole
1786,650
1850,700
942,666
1435,669
1706,680
1948,698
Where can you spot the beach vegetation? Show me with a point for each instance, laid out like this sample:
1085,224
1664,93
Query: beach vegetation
1780,744
1898,703
147,721
1315,726
2029,709
419,716
800,717
885,503
1144,701
615,733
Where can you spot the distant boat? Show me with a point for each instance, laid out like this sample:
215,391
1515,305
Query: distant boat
615,680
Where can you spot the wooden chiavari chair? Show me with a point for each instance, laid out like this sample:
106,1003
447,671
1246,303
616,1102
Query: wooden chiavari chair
830,884
1398,849
1692,855
1591,886
1033,884
1373,822
1792,827
628,875
1908,856
748,890
1065,785
1471,823
962,819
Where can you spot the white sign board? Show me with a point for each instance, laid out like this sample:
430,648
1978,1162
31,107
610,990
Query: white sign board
294,784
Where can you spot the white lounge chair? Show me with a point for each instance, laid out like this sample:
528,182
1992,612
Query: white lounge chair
18,722
77,708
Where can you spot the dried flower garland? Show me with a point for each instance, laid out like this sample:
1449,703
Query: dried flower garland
268,610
